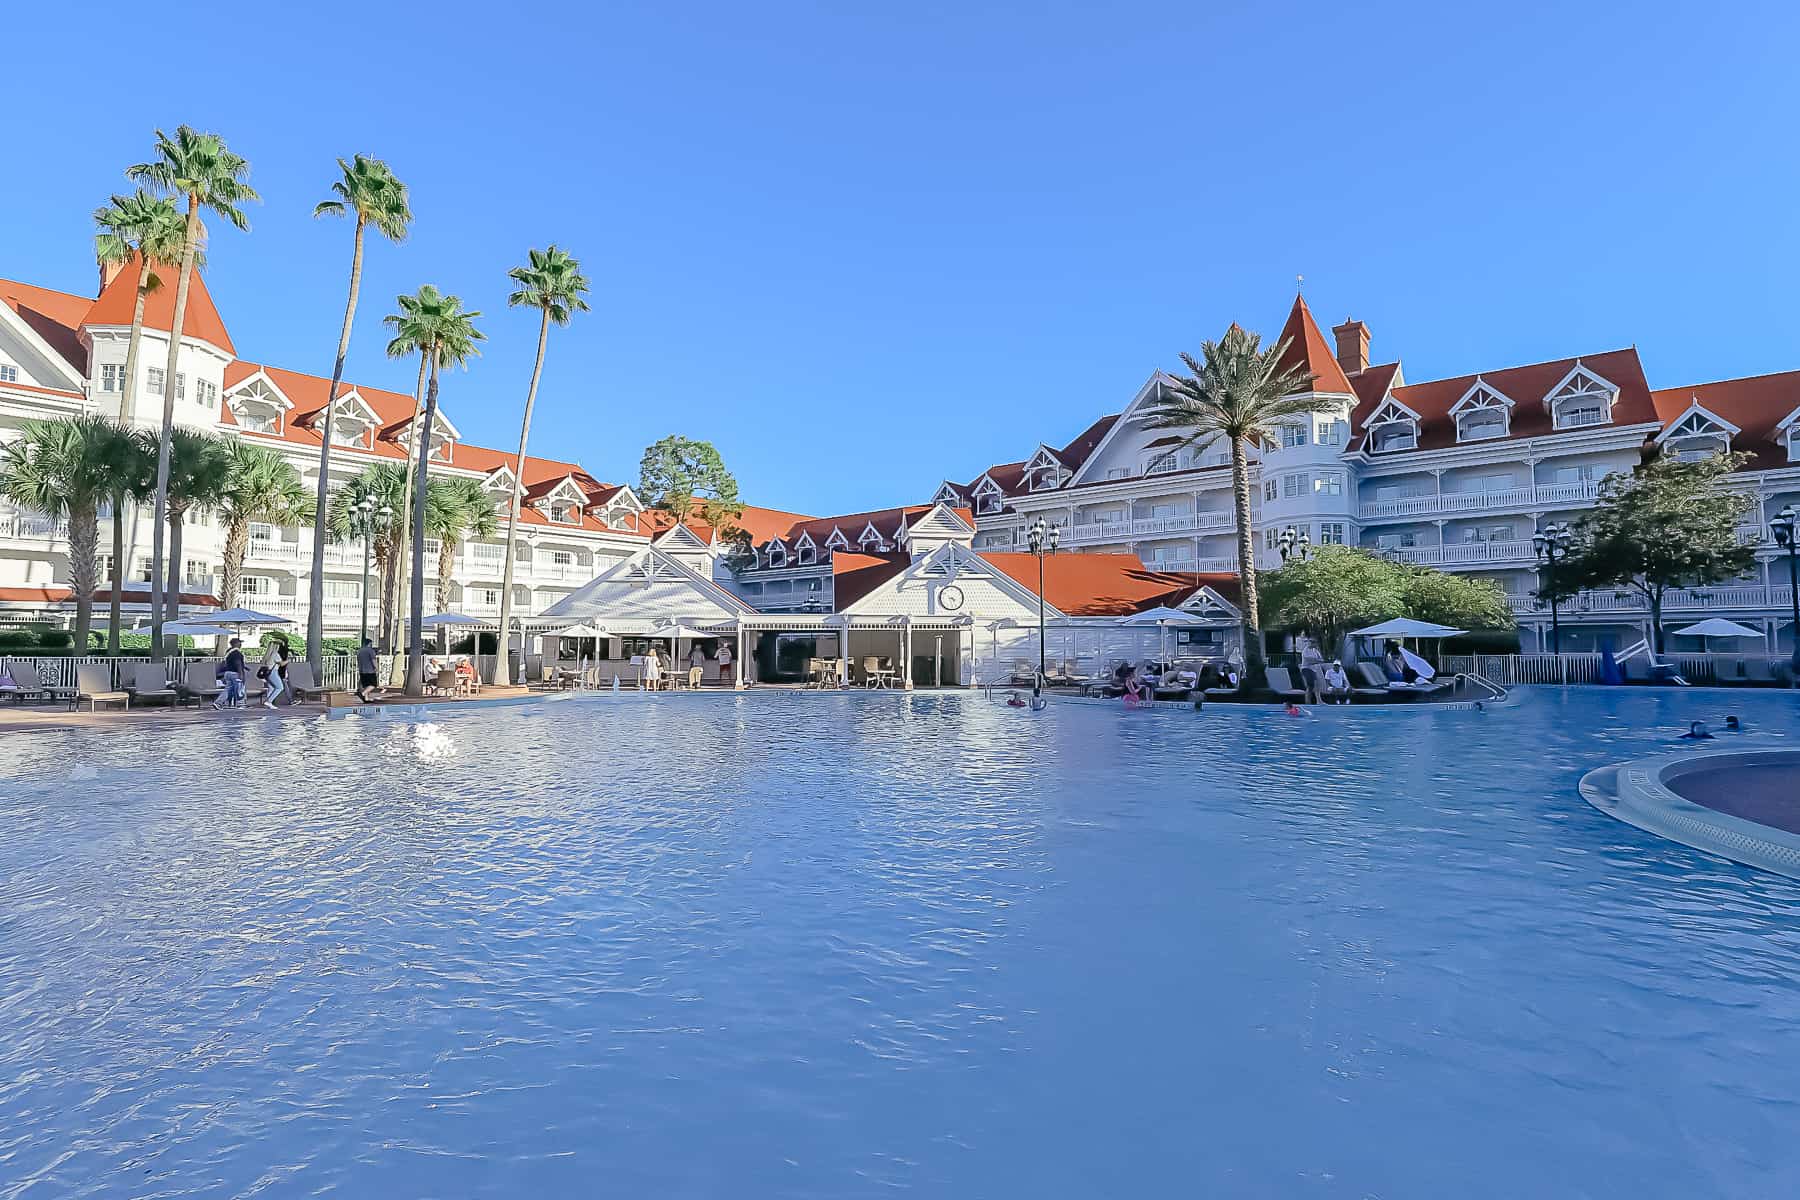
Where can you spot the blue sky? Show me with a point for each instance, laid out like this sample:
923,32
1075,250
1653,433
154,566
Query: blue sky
864,247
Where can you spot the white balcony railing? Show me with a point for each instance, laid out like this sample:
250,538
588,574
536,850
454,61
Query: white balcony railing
1089,533
1777,597
1459,552
1542,495
25,526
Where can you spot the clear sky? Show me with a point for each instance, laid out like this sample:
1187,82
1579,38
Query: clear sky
863,247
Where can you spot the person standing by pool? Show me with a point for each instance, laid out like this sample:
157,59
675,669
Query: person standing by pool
696,665
231,671
270,671
365,669
1312,667
725,676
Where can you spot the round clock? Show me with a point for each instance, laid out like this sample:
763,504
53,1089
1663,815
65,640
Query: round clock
950,597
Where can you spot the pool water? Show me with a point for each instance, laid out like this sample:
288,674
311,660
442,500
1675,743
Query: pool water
844,946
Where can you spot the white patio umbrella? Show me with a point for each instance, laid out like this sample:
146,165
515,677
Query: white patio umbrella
1406,627
1714,627
1162,617
675,631
442,622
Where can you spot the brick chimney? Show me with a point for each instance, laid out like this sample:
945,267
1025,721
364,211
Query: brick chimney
109,271
1352,346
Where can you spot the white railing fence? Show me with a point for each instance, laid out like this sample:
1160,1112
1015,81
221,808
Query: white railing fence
339,669
1510,670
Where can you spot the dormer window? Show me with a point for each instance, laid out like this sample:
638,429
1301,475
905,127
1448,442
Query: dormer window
947,494
258,405
871,540
564,512
988,497
1393,426
1696,434
1580,400
837,541
776,555
806,556
1044,472
1482,413
348,429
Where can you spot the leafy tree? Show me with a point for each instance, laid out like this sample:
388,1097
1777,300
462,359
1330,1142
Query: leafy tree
686,478
1459,601
58,468
199,471
260,485
199,168
458,508
1238,392
367,191
1668,525
552,283
128,459
435,327
1335,591
146,230
385,484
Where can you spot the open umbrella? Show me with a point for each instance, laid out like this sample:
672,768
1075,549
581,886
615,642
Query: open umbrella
442,623
1714,627
1406,627
237,617
1162,617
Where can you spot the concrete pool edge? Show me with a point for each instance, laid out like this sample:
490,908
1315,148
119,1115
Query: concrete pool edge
1637,792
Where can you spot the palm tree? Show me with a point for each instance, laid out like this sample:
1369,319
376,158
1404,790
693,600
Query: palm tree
199,471
435,326
391,631
260,485
368,190
58,468
458,508
552,283
196,166
149,231
129,459
1240,392
385,485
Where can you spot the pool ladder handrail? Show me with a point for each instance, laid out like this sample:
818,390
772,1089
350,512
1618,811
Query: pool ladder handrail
1476,678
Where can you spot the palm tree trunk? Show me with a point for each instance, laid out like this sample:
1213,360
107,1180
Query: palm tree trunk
188,244
1246,539
231,571
128,396
315,605
502,664
172,603
397,583
83,536
415,634
113,613
446,559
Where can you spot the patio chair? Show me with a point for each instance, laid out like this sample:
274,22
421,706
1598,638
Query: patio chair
1636,670
148,681
443,683
1281,685
199,681
1373,677
93,683
31,683
301,683
1024,672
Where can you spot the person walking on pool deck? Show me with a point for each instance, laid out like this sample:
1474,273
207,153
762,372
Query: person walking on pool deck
696,666
365,669
231,671
725,664
273,664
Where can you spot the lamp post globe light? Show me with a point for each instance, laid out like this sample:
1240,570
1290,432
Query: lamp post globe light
1044,539
1295,545
1551,544
1785,525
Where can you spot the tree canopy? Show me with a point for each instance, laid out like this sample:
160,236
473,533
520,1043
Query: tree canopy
1669,524
685,478
1342,588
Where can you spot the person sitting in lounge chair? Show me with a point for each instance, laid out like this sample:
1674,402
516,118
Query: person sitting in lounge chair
1334,685
1393,664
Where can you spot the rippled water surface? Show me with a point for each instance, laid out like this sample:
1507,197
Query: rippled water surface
844,946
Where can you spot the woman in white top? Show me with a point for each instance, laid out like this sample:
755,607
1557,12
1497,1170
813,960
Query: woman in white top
271,672
652,669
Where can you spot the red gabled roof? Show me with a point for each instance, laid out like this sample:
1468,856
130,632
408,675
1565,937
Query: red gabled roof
854,574
54,316
1308,350
1075,454
1756,405
1100,585
35,595
1525,386
201,320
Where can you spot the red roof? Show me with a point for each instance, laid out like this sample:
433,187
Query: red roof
855,575
34,595
1098,585
131,593
1308,350
54,316
1525,386
201,320
1755,405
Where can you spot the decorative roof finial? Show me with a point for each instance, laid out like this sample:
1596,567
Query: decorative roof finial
1300,284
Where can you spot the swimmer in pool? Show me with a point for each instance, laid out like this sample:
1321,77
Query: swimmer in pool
1014,700
1294,710
1732,725
1697,732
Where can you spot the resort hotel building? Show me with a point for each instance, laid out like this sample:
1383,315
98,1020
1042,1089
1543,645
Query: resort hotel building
1456,473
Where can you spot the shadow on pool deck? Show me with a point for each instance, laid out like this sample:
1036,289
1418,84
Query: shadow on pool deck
1767,793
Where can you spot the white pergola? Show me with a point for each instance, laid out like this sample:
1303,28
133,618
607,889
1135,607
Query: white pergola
902,627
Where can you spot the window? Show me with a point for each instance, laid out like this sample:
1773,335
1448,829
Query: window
261,533
181,385
1393,435
343,589
1480,424
1488,533
153,381
1583,399
1118,473
206,390
1293,435
1271,539
778,555
1577,413
1793,442
565,512
257,419
1331,533
562,558
1161,464
250,586
112,377
8,373
805,556
486,597
1271,489
143,568
1291,485
1397,541
1328,485
1331,433
1579,474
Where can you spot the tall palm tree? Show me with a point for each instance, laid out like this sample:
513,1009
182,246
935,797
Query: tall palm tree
1240,392
385,485
58,468
392,632
552,283
435,326
260,485
198,167
129,459
457,508
149,231
199,471
369,191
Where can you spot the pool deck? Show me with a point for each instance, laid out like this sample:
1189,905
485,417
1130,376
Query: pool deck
29,718
1753,827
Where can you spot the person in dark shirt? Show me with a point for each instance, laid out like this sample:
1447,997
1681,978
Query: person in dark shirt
365,670
231,671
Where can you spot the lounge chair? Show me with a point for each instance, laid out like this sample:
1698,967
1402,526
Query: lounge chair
1637,670
31,684
148,681
1373,677
301,683
1281,685
93,683
199,681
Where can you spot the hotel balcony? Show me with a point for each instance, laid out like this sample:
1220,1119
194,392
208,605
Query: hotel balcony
1208,565
1459,553
1100,532
1544,495
16,525
1778,597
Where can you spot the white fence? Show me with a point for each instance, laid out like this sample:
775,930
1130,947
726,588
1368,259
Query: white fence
1512,669
56,671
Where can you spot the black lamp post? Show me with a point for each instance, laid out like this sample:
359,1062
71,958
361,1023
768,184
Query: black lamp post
1043,541
1783,524
365,508
1294,546
1552,545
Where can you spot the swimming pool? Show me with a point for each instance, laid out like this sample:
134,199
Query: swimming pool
838,946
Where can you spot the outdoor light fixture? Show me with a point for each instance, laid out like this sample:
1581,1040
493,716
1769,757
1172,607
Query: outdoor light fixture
1043,539
1294,544
1551,544
1785,525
